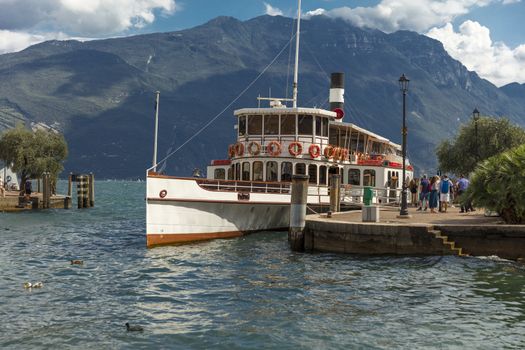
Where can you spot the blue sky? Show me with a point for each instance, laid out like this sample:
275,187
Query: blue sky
487,36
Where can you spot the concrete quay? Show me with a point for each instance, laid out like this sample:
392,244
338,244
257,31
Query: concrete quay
451,233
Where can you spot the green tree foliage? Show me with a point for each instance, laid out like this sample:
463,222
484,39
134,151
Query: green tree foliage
465,151
498,184
31,153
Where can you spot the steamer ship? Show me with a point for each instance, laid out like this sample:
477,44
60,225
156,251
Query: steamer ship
251,190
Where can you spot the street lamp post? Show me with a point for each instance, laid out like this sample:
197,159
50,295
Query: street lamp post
403,85
475,116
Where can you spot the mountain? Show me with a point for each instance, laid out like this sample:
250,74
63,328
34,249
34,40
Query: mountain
100,93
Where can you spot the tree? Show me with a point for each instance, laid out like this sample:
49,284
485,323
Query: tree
498,184
465,151
31,153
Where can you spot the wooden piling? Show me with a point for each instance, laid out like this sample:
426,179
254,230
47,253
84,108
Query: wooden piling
80,191
70,185
46,191
91,190
298,212
335,193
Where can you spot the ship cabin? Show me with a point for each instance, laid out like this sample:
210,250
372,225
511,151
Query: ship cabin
275,143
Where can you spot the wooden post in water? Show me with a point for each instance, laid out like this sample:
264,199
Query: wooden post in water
70,185
298,212
85,196
91,190
46,183
44,189
80,191
335,193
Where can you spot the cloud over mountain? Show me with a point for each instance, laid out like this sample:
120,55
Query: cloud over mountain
473,46
24,21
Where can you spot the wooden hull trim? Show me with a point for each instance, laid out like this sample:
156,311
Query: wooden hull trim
161,239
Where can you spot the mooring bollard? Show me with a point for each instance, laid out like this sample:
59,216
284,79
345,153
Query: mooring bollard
298,212
91,190
335,193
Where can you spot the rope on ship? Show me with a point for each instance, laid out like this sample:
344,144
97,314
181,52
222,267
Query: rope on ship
225,108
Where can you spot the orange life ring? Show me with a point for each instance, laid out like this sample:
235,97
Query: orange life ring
314,150
329,151
231,151
273,148
344,154
295,148
251,149
239,149
337,153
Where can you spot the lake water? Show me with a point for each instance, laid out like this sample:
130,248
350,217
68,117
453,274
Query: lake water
244,293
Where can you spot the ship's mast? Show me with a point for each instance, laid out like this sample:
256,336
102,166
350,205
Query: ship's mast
157,93
296,69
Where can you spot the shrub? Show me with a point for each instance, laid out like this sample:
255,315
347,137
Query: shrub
498,184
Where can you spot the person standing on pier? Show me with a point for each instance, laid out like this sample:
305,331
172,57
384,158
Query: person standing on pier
444,192
424,192
463,184
434,186
413,191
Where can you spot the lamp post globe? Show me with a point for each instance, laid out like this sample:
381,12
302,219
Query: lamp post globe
403,86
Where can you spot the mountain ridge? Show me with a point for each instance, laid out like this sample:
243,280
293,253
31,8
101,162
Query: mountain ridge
101,92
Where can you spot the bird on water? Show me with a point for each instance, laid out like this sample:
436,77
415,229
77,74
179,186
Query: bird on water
130,328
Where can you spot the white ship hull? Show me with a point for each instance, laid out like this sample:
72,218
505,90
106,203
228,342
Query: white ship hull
189,212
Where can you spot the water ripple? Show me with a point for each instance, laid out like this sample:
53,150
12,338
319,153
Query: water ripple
249,293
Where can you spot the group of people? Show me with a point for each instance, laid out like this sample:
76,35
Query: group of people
437,192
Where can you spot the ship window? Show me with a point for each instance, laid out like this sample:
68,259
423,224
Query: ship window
300,169
354,177
237,171
286,171
312,172
246,171
369,178
305,125
257,171
242,125
322,175
219,174
255,125
271,125
271,171
321,126
230,173
288,124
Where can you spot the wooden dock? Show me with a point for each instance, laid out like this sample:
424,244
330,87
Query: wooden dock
12,202
451,233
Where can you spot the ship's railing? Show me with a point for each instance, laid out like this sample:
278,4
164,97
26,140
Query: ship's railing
381,195
245,186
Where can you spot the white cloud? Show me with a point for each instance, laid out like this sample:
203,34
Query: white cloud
316,12
473,47
16,41
508,2
27,22
392,15
272,11
12,41
80,17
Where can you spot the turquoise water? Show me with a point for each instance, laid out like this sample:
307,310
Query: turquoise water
244,293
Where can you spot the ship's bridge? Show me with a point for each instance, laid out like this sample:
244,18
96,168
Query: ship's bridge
262,130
